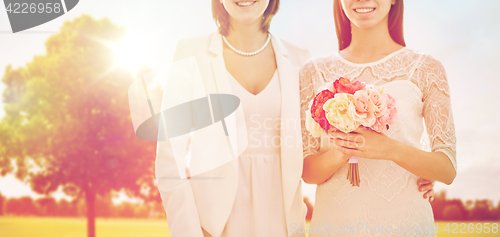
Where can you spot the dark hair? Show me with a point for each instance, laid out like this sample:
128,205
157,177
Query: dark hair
343,24
221,16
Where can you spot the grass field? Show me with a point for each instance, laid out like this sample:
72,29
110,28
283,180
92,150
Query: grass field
76,227
463,229
450,229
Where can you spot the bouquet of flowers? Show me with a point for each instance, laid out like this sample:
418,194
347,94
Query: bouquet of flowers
345,105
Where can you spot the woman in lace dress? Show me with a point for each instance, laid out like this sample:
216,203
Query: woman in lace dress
386,203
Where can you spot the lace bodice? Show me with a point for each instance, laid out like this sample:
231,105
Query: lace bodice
388,194
425,72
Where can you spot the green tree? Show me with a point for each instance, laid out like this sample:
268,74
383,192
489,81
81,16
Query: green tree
23,206
497,212
453,212
47,206
125,209
482,211
104,206
67,111
141,211
438,205
65,208
2,200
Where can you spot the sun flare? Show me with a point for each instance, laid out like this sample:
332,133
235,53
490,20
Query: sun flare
132,52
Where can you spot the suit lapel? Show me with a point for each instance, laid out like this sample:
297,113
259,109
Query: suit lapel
291,147
218,65
218,82
234,123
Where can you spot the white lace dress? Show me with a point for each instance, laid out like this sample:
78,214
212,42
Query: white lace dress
387,202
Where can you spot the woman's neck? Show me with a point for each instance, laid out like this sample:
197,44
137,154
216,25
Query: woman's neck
246,37
370,44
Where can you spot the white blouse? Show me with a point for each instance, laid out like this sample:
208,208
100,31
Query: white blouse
258,208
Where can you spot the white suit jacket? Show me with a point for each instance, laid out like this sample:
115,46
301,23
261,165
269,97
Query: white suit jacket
205,201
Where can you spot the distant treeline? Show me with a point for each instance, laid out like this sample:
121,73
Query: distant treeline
104,207
457,210
444,209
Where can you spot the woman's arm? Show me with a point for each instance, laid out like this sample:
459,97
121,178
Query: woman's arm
319,167
429,165
440,163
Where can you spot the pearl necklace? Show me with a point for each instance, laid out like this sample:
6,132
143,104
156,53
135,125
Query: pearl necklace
248,54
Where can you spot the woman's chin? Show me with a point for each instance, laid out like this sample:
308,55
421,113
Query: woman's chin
248,19
365,24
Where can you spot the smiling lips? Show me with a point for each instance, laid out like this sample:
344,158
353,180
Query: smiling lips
364,10
245,4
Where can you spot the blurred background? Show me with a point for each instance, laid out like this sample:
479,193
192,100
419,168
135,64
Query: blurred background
67,141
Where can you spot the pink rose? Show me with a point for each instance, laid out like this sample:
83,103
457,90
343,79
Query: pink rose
389,117
378,126
391,114
391,102
379,102
343,85
364,109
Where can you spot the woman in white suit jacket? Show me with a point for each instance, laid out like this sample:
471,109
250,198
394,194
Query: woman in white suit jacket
202,205
202,201
222,198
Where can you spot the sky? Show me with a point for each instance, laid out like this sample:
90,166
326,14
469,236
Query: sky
463,35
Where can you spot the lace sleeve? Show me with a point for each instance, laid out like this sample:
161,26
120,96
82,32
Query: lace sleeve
437,110
307,76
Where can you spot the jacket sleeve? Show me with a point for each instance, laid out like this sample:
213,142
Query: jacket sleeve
175,190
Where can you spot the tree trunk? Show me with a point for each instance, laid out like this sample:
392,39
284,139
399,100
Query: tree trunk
1,205
90,201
